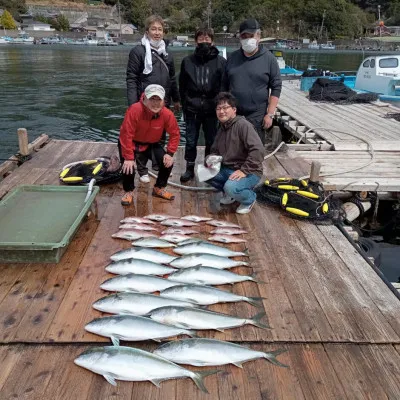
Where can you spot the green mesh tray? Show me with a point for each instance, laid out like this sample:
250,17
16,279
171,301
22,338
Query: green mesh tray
38,222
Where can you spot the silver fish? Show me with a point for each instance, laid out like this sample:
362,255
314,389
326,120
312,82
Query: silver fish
228,231
226,239
191,240
211,352
141,253
174,237
177,222
196,218
206,295
188,318
222,223
140,227
135,303
206,260
132,234
207,276
128,364
133,328
180,230
138,220
132,266
136,283
203,247
159,217
155,243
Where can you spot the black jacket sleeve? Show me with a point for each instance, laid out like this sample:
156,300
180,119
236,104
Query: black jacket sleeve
133,72
275,83
174,86
225,79
182,83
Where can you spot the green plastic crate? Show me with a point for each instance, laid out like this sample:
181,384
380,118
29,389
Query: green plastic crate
37,222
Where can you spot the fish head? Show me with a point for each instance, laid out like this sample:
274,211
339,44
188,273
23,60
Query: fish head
103,303
92,358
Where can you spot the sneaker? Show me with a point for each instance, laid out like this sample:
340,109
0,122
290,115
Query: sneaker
245,209
225,200
188,175
127,199
163,193
144,179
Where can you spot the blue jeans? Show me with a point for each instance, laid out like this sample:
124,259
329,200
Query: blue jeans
241,190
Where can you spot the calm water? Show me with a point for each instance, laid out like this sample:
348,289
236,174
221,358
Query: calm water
73,92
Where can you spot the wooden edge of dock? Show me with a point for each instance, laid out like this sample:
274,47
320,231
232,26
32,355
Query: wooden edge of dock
25,149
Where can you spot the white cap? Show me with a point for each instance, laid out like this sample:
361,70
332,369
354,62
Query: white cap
154,90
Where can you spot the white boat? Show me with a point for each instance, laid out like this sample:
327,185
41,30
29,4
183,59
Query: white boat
380,74
327,46
23,38
313,45
89,40
3,40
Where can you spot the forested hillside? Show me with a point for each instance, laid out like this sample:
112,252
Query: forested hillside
341,18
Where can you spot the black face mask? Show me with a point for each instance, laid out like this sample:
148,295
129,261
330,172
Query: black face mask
203,48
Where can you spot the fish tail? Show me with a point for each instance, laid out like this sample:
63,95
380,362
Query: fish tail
246,252
243,263
271,357
192,334
256,321
198,377
255,301
255,279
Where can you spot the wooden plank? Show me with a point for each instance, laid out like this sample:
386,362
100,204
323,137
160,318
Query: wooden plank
44,305
315,373
14,306
384,146
84,289
68,382
380,294
31,375
359,184
9,356
353,314
10,274
277,382
19,177
355,371
386,364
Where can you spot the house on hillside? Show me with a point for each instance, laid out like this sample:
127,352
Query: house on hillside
126,29
39,26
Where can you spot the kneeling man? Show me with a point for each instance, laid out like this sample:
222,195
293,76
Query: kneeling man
140,133
242,155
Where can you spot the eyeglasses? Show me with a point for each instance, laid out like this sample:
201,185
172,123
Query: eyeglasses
223,108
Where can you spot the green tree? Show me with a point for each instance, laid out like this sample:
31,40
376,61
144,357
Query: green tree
15,7
7,21
135,11
62,23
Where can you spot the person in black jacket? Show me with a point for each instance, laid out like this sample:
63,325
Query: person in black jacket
149,63
252,75
199,83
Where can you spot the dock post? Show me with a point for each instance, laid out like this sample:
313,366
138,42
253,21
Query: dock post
23,141
315,168
276,136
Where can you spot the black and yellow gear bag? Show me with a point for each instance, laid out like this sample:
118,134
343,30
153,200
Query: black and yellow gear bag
102,169
299,198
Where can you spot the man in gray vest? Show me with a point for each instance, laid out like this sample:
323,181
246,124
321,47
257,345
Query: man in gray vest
252,75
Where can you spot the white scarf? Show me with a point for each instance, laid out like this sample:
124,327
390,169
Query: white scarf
148,62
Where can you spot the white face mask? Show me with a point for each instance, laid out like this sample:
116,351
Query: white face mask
155,43
249,45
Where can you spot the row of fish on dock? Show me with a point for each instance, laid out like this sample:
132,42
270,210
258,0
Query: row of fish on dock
185,286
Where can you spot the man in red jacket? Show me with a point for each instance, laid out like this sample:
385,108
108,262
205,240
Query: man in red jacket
140,133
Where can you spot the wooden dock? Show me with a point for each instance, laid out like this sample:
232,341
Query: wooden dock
338,321
357,144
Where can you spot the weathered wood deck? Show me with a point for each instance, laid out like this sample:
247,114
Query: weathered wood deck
337,136
338,321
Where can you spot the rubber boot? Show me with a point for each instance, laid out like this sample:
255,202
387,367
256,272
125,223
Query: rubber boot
189,173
